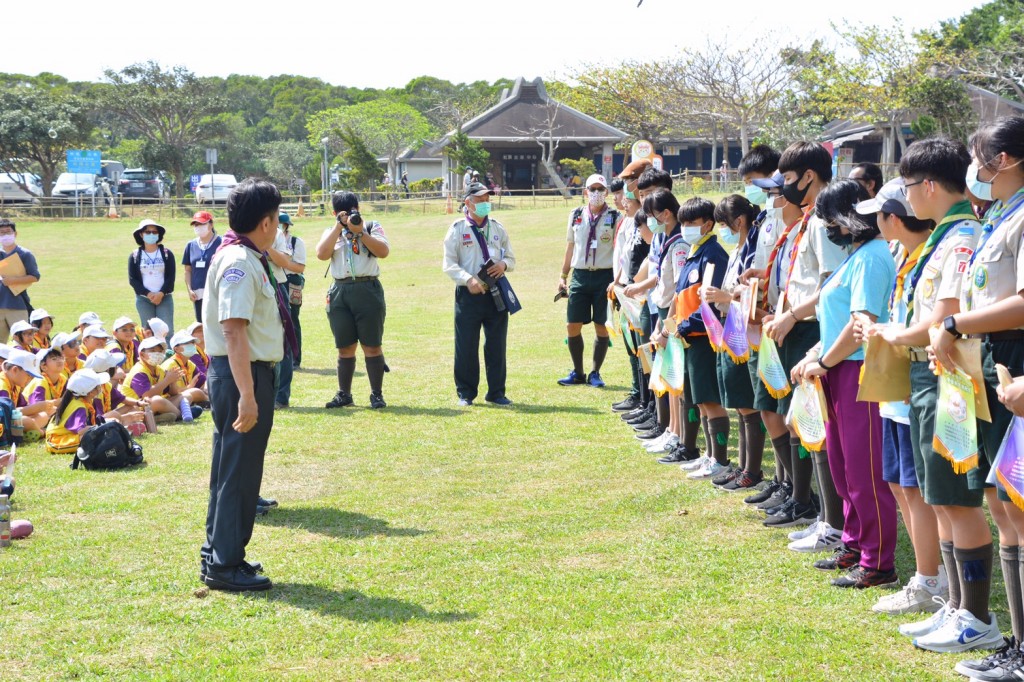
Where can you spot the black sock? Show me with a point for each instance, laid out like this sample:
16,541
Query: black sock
346,369
831,503
601,344
803,471
783,467
375,373
975,566
952,572
576,353
1008,559
741,448
691,425
707,434
753,428
663,412
718,430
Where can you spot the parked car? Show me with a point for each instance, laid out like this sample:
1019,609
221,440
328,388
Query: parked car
70,184
140,183
210,191
20,188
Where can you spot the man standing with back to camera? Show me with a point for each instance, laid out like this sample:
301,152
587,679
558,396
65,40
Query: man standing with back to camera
246,324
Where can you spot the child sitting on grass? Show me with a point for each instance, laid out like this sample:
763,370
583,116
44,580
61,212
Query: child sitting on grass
200,359
76,413
48,388
112,404
44,322
20,368
191,383
68,345
93,338
147,379
23,335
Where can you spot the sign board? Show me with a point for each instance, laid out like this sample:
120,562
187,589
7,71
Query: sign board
607,159
83,161
211,156
642,149
193,180
657,162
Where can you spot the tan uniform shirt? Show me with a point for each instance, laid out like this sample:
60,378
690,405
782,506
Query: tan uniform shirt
596,253
944,274
345,263
998,271
462,255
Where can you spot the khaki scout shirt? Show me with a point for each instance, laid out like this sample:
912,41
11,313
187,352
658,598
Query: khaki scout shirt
997,272
345,263
587,254
237,287
462,256
945,271
816,257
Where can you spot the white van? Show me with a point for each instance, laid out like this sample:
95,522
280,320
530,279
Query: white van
208,192
20,188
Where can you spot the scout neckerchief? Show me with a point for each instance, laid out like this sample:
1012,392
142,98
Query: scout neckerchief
957,213
42,341
352,241
12,390
675,236
130,354
183,366
997,215
694,248
909,261
202,354
594,221
792,258
477,231
53,390
104,398
154,378
284,312
771,260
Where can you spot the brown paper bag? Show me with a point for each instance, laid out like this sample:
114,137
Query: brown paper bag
966,355
885,375
13,267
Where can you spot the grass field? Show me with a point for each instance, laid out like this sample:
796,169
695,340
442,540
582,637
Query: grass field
423,541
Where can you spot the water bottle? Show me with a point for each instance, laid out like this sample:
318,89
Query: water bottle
17,426
150,419
5,522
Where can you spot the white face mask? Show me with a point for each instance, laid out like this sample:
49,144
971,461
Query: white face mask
8,239
202,231
596,197
691,233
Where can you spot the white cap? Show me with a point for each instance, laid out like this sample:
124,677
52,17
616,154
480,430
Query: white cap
101,359
889,199
122,321
158,327
85,381
89,318
596,179
43,352
23,326
5,350
96,331
152,342
62,339
181,338
191,329
27,361
39,314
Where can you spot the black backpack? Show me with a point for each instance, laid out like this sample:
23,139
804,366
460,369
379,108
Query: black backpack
108,446
7,438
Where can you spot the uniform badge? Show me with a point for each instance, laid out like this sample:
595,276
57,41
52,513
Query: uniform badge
694,276
980,277
928,288
606,237
233,275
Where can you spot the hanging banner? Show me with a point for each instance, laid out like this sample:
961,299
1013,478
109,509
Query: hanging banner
956,429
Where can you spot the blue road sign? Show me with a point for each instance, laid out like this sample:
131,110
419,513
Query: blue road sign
83,161
193,180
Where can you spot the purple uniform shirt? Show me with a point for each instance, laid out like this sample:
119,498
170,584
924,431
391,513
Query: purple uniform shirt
78,420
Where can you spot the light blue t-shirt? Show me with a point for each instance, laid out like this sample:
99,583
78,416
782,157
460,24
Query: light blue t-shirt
861,284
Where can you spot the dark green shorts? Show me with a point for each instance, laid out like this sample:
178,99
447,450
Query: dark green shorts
734,384
801,338
939,484
763,400
356,312
701,371
990,435
588,296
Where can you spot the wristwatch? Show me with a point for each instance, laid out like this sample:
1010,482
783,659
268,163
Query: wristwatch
949,324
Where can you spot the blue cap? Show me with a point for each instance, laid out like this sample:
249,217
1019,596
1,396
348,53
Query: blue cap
284,218
769,183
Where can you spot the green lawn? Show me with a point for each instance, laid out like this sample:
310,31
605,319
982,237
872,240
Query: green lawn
423,541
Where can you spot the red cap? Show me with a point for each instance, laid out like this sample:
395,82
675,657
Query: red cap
202,217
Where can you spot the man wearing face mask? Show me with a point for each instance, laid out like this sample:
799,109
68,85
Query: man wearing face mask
14,308
589,252
474,241
195,261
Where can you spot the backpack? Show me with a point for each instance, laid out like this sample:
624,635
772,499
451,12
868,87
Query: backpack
108,446
7,438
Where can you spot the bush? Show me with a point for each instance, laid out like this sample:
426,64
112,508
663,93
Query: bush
697,184
426,185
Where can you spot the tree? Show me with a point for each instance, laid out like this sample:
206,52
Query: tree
448,105
582,167
363,169
466,153
37,127
625,96
387,128
542,127
285,159
167,108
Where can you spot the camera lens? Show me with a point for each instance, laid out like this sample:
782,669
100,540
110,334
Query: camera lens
354,218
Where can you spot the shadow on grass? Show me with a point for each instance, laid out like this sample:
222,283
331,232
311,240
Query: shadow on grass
549,409
335,522
354,605
390,409
323,371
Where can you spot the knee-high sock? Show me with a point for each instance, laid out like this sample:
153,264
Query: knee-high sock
1008,558
753,430
831,503
741,448
346,369
576,353
952,572
718,430
975,567
375,372
707,435
663,411
783,467
803,471
601,344
691,425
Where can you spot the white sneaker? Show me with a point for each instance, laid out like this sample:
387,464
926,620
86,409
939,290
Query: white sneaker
914,598
806,532
710,469
825,540
664,446
930,624
656,441
695,464
962,632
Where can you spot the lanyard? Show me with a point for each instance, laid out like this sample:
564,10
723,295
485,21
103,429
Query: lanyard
792,259
783,238
204,250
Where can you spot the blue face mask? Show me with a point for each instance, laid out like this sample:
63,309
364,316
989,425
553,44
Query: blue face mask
729,236
189,350
654,226
151,238
483,209
979,188
755,195
691,234
630,195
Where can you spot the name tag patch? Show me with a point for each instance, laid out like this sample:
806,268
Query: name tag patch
233,275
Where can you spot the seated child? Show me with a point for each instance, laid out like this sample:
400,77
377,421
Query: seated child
125,341
86,320
93,338
44,321
49,387
20,368
112,404
23,335
147,379
191,383
75,414
201,360
158,328
68,345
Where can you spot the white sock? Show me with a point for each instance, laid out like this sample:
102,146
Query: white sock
932,583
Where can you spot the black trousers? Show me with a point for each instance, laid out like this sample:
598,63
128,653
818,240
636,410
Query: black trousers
236,470
473,312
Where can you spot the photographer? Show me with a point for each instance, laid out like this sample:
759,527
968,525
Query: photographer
355,302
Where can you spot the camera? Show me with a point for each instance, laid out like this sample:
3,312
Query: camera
354,218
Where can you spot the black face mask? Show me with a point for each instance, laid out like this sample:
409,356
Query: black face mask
793,194
836,236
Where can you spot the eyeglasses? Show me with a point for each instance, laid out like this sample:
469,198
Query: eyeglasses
150,232
908,185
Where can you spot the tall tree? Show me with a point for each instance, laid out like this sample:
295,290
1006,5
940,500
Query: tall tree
285,160
167,108
625,96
